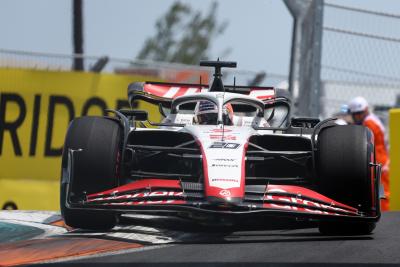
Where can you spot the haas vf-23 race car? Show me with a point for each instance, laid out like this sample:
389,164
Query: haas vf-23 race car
221,151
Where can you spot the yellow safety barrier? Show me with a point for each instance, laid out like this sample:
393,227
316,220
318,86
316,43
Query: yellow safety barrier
394,135
35,110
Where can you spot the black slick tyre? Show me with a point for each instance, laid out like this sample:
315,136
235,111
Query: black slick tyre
344,174
95,168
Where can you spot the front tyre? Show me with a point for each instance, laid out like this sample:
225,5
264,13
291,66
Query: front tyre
95,168
345,175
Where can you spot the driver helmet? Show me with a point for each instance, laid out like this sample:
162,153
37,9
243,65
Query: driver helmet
206,113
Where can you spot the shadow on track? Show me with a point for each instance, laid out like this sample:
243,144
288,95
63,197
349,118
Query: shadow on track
265,230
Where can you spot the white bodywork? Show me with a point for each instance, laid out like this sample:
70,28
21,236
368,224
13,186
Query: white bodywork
223,147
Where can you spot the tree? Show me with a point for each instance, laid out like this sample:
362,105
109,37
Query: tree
183,35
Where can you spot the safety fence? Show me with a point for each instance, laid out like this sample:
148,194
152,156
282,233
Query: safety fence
360,56
167,71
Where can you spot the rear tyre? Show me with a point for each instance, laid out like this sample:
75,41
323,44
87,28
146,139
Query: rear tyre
95,168
344,173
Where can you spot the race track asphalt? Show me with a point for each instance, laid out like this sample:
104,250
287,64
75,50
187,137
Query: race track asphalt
210,246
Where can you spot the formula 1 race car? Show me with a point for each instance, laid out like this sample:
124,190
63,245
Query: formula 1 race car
223,151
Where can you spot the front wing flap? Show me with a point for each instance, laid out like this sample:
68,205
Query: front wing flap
157,195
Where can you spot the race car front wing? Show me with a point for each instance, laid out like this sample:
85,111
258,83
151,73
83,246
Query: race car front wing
158,195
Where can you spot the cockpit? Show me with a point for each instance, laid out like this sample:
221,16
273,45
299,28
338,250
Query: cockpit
214,108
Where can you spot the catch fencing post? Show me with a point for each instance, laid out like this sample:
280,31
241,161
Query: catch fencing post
305,62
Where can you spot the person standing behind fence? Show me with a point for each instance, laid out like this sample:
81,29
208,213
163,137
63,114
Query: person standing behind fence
359,110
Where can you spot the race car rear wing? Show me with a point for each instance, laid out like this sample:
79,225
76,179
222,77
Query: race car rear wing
164,93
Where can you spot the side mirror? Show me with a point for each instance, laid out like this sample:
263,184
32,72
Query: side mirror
137,115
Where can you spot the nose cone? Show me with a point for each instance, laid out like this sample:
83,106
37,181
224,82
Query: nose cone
223,158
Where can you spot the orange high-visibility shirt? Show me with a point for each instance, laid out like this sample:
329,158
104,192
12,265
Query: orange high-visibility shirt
382,157
377,128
